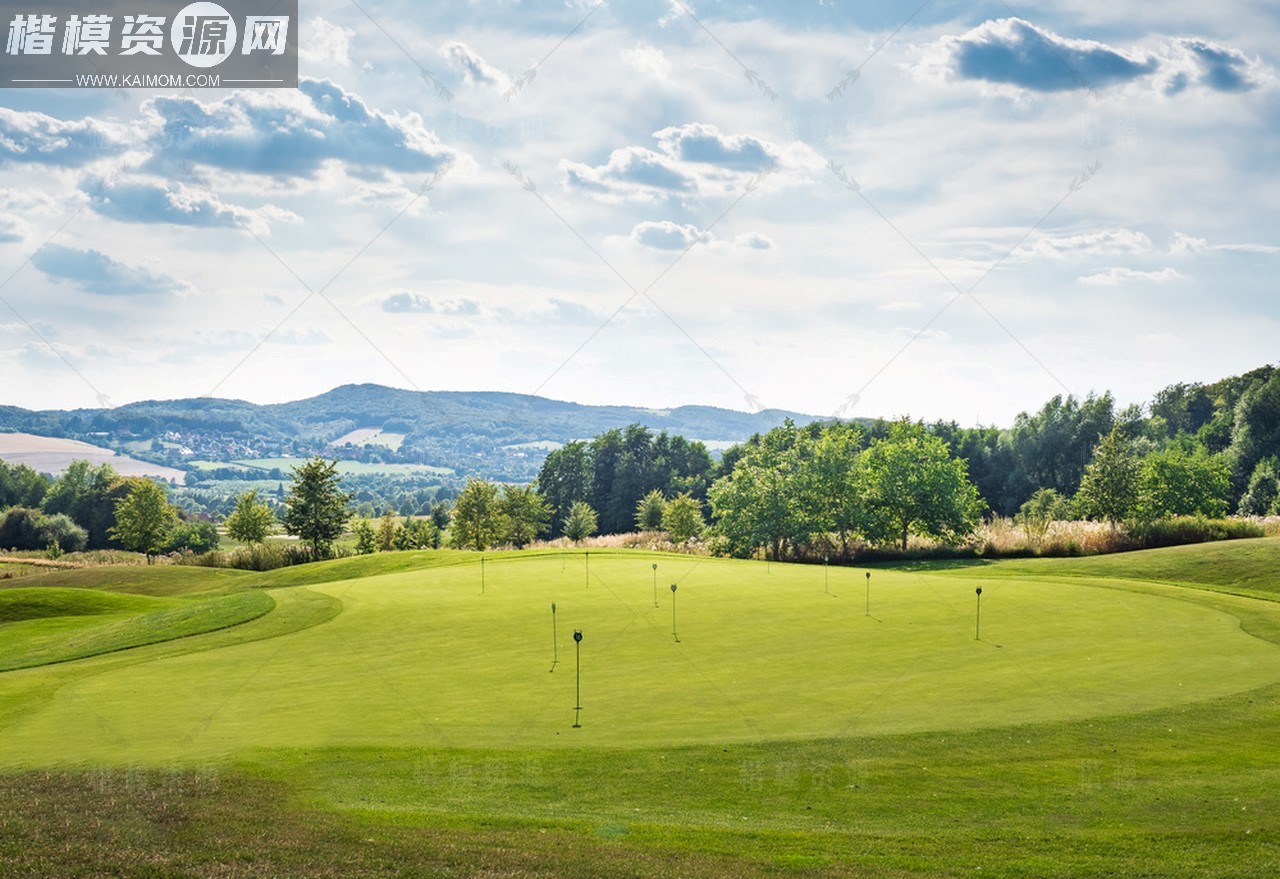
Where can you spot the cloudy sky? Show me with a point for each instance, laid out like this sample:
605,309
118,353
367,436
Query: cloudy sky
951,211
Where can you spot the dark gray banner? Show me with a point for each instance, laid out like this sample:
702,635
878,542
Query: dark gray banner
149,44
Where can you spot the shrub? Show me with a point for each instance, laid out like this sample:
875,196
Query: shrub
197,537
252,557
1192,529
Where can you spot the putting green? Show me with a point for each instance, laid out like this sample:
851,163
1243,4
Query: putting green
424,659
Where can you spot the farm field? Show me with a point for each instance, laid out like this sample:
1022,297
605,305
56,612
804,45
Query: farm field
371,436
345,468
47,454
412,714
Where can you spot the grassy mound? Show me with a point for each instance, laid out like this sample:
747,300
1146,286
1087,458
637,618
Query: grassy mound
411,715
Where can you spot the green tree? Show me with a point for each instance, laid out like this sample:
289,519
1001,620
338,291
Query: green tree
581,522
316,508
88,495
21,486
388,531
526,514
649,511
144,518
58,530
366,537
564,479
251,521
1052,448
682,518
418,534
760,502
1044,508
1175,483
1256,433
912,485
192,535
20,529
1262,497
829,487
477,520
1109,489
441,515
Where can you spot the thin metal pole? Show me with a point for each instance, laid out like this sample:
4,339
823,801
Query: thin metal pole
673,612
577,708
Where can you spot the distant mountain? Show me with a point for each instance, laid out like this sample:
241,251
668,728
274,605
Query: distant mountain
498,435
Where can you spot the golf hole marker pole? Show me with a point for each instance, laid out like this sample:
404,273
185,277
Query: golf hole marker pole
977,624
826,579
655,584
482,575
868,593
577,708
555,642
587,555
673,613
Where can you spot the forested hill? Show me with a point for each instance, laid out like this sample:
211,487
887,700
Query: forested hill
498,435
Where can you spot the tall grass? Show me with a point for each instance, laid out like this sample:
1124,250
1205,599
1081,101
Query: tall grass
251,557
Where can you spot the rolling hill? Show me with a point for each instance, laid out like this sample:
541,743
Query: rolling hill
491,434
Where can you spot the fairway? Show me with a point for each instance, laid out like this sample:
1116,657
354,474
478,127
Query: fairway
426,659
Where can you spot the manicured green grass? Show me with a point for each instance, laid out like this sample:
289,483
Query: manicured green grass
396,716
423,658
158,580
45,625
1247,567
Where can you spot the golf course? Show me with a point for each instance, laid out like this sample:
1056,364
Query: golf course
431,714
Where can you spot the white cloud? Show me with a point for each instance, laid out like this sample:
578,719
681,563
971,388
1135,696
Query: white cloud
95,272
153,202
1015,53
475,70
695,159
676,9
1085,244
753,241
666,235
13,229
1010,55
413,302
1119,275
38,138
1248,248
1181,243
647,59
326,44
291,133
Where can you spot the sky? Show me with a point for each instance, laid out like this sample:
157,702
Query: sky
946,211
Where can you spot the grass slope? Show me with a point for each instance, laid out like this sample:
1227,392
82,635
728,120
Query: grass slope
424,658
1247,567
1097,728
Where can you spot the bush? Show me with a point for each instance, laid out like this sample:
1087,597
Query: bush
18,529
26,528
1192,529
198,537
252,557
60,531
